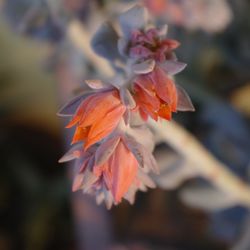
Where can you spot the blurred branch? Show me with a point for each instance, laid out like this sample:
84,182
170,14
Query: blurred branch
80,37
203,161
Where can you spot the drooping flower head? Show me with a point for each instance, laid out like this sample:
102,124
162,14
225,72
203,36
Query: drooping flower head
113,153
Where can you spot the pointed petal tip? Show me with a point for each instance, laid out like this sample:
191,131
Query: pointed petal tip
71,106
184,102
74,189
60,114
109,206
172,67
144,67
117,198
67,126
95,84
192,108
62,160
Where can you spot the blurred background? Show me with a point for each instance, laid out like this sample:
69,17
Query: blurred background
42,65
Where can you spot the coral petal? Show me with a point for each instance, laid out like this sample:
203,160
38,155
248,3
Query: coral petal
164,86
98,107
124,168
165,112
80,134
106,125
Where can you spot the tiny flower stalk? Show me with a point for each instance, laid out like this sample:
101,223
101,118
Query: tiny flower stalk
112,143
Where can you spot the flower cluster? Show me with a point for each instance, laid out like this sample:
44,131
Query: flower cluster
113,145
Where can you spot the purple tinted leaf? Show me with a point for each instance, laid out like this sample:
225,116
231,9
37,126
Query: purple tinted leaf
127,98
70,108
144,67
77,183
133,19
72,154
173,67
104,42
88,181
144,157
184,102
105,150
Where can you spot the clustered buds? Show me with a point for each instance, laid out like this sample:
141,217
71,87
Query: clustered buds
112,144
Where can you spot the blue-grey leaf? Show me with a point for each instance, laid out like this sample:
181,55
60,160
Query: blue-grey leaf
133,19
70,107
104,42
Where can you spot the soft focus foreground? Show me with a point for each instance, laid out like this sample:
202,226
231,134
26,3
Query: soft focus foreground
46,57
